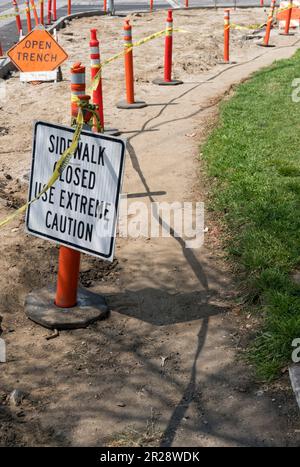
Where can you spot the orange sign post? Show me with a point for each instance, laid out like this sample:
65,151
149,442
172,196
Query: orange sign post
37,51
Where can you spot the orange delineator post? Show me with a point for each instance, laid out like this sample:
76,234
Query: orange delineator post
105,6
69,260
269,25
186,3
49,11
28,16
167,80
261,2
168,47
128,59
69,7
1,50
95,68
54,11
18,19
129,102
226,34
151,5
77,87
42,12
288,19
36,18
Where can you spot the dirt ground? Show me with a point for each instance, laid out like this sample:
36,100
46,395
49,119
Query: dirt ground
165,368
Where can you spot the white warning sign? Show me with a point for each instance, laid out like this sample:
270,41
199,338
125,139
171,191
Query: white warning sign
80,210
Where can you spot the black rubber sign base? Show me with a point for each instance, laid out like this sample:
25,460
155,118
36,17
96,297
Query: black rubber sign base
265,45
40,308
162,82
135,105
222,62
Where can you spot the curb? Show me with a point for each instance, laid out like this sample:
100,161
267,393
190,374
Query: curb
60,23
294,372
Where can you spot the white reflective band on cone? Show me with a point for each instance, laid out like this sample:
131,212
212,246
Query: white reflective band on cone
94,50
77,78
77,93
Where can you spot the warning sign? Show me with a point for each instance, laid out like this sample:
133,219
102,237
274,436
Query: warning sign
37,51
80,209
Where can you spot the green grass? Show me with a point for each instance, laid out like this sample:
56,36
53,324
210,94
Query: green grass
254,157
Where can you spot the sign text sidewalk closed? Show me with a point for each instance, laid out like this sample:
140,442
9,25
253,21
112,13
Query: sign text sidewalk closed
80,209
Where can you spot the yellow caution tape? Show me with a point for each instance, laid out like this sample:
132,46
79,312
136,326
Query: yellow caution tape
246,28
10,15
95,81
249,26
21,12
59,168
94,84
257,26
291,5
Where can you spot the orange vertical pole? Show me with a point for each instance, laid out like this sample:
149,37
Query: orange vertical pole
261,2
18,19
186,3
77,87
168,47
49,11
95,68
105,6
151,5
1,50
28,17
130,102
128,63
226,34
42,12
69,260
69,7
36,18
269,25
168,54
54,11
288,20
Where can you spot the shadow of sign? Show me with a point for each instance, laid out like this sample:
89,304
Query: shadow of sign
161,308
